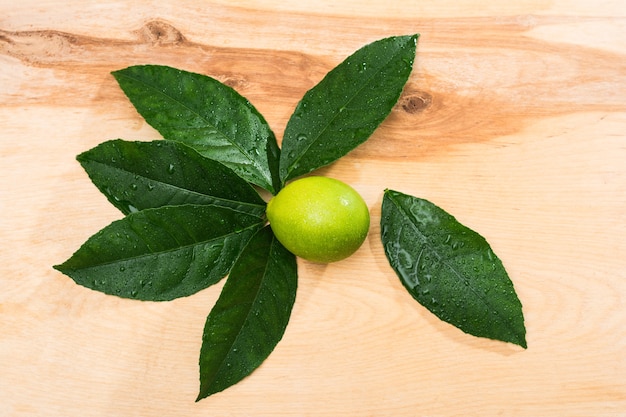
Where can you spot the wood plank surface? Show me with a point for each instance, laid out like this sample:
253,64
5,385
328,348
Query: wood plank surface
514,120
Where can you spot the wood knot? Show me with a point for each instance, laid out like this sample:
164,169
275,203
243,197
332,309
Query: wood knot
416,102
234,81
158,32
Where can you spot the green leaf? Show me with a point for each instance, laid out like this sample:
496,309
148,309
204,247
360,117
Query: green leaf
450,269
250,316
139,175
207,115
345,108
162,253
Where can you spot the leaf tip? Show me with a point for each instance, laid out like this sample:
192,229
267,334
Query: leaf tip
116,73
62,268
81,157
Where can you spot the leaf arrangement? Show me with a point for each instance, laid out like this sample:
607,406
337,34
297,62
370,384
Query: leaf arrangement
192,213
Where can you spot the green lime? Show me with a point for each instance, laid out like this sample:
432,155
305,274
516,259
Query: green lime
319,219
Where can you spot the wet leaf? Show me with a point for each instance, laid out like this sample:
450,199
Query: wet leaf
162,253
450,269
345,108
207,115
251,314
139,175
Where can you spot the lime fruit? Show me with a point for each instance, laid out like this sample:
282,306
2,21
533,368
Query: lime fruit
320,219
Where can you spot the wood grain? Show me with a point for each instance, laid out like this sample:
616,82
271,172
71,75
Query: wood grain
514,120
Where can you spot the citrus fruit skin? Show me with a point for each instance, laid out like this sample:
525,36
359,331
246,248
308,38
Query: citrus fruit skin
320,219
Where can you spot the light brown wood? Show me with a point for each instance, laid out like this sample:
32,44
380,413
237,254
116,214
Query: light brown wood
514,120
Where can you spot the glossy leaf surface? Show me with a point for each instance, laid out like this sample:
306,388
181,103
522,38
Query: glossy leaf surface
207,115
450,269
251,314
162,253
345,108
139,175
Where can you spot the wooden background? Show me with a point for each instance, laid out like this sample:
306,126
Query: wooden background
514,120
